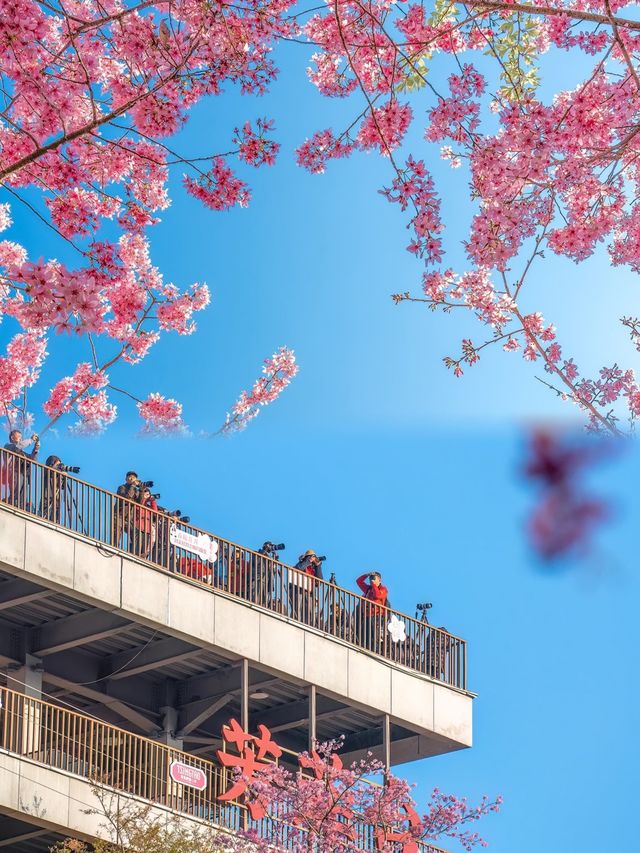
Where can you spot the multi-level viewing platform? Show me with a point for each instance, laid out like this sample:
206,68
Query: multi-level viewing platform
119,652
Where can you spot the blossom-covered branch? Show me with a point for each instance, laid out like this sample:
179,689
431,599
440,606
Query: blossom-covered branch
330,808
91,93
559,176
278,371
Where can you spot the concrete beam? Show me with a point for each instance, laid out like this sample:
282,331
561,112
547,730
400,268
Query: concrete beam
74,669
146,658
210,686
16,591
137,719
13,831
294,714
77,630
189,722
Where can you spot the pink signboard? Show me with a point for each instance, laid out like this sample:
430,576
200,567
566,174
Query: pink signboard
184,774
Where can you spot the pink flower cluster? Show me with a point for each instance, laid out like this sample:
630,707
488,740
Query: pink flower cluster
566,516
414,188
254,147
68,392
278,371
160,415
95,413
218,188
5,217
332,807
20,367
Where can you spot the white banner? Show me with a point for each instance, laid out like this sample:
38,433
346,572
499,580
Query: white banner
202,544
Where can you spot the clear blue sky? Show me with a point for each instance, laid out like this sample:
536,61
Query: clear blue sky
377,457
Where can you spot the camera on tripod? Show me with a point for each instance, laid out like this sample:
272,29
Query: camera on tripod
421,610
270,549
178,516
56,462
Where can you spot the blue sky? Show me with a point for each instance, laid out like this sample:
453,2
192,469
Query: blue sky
377,457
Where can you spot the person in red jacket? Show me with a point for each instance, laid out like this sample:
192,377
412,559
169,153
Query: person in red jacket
144,521
372,610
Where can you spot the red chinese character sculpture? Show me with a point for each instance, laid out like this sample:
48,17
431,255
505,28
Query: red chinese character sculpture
247,762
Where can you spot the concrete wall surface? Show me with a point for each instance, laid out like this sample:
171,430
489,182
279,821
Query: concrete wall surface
32,549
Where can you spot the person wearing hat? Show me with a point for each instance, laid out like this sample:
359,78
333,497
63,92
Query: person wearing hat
372,610
16,468
302,584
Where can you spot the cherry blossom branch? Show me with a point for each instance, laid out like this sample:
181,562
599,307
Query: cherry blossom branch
534,9
278,371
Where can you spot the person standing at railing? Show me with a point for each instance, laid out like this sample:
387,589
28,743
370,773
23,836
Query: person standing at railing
144,520
17,472
372,610
53,484
239,573
302,585
265,571
123,510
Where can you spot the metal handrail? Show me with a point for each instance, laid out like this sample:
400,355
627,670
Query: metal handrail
144,533
109,756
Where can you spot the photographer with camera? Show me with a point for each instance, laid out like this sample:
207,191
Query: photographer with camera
302,585
123,512
145,523
53,485
371,617
163,551
263,573
17,473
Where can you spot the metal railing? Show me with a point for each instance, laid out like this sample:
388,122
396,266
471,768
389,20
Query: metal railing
109,756
165,541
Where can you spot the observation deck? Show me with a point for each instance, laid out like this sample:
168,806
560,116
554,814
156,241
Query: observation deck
169,635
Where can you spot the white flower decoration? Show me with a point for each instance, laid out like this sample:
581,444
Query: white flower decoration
397,629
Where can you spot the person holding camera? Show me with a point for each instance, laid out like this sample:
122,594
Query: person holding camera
17,475
53,485
264,571
123,510
144,522
372,616
303,581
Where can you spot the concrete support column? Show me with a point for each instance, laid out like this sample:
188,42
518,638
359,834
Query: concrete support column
312,717
386,742
244,695
27,679
169,728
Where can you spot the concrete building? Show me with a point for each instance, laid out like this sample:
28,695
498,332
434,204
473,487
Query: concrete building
128,640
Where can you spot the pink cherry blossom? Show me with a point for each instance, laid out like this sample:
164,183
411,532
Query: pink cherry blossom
161,416
278,371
